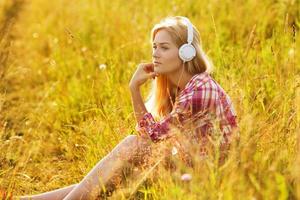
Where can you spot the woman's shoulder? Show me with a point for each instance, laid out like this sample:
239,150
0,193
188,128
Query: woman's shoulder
202,86
207,83
198,82
206,90
202,82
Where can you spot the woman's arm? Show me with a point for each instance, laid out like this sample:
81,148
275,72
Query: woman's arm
143,72
137,103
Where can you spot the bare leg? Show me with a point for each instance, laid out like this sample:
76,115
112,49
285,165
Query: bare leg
96,180
128,149
54,195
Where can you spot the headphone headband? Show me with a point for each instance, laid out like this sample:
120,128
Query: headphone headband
189,30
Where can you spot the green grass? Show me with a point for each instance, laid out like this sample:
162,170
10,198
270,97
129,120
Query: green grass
61,113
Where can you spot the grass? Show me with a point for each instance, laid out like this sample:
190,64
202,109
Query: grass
61,112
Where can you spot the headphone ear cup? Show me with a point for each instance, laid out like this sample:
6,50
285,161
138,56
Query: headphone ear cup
187,52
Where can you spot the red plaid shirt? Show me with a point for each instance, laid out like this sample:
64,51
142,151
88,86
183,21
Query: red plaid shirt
200,103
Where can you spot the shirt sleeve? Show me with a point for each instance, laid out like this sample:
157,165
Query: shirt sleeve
163,129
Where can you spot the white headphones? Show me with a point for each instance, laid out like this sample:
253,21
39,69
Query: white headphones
187,51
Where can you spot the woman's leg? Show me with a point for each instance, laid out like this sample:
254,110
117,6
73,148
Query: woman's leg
111,165
55,194
128,150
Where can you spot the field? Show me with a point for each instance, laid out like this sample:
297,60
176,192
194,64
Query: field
65,102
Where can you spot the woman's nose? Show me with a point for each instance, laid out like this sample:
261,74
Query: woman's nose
155,53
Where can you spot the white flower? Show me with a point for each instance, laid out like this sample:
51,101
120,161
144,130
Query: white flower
135,169
35,35
174,151
52,62
291,52
186,177
16,137
84,49
55,40
102,66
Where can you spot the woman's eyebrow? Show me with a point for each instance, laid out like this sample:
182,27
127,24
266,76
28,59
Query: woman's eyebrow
161,43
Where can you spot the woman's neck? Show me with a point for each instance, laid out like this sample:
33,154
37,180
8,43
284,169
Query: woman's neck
180,78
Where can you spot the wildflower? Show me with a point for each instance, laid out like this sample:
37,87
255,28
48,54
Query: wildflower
54,103
52,62
135,169
186,177
16,137
102,66
55,40
35,35
174,151
291,52
83,49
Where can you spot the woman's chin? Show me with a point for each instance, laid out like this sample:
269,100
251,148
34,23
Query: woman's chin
156,70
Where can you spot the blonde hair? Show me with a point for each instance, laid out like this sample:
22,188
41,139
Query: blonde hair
162,95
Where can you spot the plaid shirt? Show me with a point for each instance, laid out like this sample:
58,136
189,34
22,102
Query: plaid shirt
200,103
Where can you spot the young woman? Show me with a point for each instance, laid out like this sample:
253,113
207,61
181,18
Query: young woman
184,99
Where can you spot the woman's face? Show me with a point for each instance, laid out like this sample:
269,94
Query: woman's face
165,54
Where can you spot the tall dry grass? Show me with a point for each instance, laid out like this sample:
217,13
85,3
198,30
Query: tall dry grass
65,103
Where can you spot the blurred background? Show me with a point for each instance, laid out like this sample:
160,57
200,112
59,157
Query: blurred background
64,99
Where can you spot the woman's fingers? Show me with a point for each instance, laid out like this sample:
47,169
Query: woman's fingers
148,67
152,75
144,72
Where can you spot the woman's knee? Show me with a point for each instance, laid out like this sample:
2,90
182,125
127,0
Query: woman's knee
126,147
136,141
135,146
130,138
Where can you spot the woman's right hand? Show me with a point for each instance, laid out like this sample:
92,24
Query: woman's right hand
143,72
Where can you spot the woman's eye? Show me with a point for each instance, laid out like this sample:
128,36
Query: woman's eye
164,48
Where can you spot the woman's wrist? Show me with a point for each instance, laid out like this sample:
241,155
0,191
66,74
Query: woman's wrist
134,87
